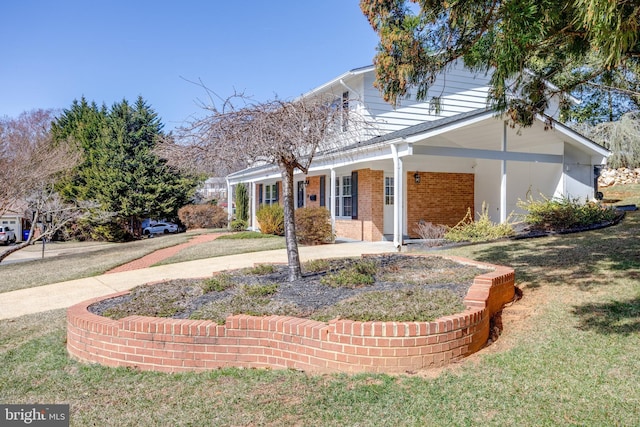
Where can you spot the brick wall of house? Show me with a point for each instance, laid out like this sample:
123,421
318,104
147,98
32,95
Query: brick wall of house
440,198
179,345
313,189
370,222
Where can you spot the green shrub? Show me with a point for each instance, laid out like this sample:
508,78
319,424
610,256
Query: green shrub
110,232
271,219
203,216
564,213
481,230
360,273
313,226
261,290
238,225
242,202
316,265
217,283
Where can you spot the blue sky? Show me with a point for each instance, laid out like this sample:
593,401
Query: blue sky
55,52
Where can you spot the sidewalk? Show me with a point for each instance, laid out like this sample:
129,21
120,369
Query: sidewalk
65,294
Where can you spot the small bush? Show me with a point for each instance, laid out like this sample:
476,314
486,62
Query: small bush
316,265
261,290
203,216
110,232
313,226
361,273
564,213
238,225
271,219
431,233
481,230
218,283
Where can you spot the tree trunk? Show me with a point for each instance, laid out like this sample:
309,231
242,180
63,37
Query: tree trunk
295,271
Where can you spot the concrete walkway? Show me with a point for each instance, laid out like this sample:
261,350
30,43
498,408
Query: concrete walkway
65,294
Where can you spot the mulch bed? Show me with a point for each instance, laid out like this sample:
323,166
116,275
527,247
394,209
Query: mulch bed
395,272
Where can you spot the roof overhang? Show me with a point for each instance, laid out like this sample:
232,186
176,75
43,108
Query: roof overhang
406,139
338,80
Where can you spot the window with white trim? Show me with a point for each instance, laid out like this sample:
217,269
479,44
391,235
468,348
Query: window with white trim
388,190
270,194
343,196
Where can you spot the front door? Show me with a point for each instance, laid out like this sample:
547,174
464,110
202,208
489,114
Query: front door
388,206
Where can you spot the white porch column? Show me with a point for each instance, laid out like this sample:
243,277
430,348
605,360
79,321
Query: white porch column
503,180
332,200
398,197
252,207
229,202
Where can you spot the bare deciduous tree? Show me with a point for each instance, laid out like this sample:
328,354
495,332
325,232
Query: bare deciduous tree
30,162
287,134
28,157
50,214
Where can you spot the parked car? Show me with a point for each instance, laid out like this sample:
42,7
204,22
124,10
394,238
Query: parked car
161,228
7,235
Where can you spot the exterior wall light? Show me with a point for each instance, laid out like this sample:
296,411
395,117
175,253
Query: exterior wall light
416,177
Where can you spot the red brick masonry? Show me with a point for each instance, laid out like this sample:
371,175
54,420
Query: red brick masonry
176,345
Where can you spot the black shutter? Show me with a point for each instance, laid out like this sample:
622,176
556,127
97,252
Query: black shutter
322,190
354,195
259,194
300,194
277,193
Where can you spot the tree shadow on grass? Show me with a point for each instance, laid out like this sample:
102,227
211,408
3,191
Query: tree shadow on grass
582,260
616,317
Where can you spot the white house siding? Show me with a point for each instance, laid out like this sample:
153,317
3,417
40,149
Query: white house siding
578,173
459,92
524,179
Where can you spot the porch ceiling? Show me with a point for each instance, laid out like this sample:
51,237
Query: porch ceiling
487,135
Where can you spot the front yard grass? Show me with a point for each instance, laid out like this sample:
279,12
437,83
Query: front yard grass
568,355
29,274
226,246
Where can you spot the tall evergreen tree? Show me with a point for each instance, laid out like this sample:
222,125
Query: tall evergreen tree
524,44
242,202
120,169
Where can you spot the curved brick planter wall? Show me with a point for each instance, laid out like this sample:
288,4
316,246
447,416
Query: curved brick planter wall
175,345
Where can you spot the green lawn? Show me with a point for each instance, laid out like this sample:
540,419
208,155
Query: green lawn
568,355
78,263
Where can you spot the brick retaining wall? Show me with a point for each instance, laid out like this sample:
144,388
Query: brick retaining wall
176,345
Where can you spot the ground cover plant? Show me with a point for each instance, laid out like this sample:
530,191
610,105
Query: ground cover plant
567,356
382,288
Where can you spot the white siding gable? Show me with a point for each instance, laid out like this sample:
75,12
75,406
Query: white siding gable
458,89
